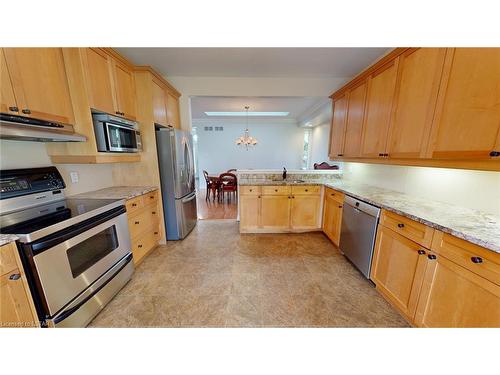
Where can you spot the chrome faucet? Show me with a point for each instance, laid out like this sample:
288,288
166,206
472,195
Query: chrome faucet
284,173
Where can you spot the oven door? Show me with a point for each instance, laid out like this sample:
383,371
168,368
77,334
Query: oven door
68,268
121,138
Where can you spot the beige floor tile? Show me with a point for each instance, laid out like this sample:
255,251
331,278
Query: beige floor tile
219,278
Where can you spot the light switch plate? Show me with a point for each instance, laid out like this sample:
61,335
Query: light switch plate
74,177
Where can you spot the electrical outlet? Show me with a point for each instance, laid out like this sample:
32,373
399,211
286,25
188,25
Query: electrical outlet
74,177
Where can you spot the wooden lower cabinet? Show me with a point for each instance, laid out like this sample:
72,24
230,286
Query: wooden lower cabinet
454,284
275,212
16,304
332,214
304,212
280,208
249,212
398,268
453,296
144,224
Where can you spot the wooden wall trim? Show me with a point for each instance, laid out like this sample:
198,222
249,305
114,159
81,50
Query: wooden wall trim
368,71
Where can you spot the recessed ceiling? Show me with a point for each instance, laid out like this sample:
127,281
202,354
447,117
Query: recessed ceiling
255,62
296,106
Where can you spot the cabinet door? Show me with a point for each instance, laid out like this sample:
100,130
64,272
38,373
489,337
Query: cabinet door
8,102
337,221
159,105
453,296
40,84
275,212
338,127
329,215
354,122
305,212
173,118
125,90
467,120
249,212
99,84
15,308
379,100
398,268
419,74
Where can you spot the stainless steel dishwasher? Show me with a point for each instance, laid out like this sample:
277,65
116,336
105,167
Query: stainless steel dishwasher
358,231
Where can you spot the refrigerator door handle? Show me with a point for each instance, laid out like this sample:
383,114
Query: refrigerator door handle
189,198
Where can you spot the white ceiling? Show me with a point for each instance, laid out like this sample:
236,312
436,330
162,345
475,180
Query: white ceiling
297,106
255,62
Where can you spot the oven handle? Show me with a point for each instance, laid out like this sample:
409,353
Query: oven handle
74,230
93,289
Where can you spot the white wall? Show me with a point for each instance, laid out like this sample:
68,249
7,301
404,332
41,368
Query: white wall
319,144
249,86
473,189
280,144
22,154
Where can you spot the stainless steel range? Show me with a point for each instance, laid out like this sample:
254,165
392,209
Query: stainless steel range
76,252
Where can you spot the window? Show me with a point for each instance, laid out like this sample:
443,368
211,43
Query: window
306,154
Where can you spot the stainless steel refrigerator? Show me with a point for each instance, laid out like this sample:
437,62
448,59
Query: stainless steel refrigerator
176,164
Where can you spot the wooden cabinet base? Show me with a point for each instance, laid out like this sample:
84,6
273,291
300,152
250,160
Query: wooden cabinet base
94,159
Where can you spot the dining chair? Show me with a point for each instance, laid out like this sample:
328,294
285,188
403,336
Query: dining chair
325,165
228,182
211,186
231,170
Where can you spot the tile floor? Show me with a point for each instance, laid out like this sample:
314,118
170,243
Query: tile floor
219,278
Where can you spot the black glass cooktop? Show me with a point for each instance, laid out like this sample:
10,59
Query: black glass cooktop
35,218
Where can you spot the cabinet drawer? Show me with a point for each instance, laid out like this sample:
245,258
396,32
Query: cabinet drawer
143,220
151,197
276,190
142,245
306,190
134,204
415,231
477,259
336,195
7,258
249,190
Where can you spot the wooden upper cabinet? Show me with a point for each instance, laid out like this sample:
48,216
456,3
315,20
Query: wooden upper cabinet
173,116
39,83
159,104
381,86
338,127
125,90
110,84
467,120
8,102
99,84
419,75
354,122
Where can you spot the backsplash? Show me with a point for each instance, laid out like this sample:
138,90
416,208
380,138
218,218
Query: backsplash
479,190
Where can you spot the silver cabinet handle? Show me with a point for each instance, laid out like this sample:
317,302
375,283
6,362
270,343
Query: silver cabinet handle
15,276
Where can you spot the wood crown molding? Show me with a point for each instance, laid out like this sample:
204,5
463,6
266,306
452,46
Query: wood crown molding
368,71
159,77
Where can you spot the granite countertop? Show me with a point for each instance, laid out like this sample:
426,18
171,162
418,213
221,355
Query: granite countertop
116,192
263,182
7,238
477,227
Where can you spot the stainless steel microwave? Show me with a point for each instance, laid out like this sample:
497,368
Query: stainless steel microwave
115,134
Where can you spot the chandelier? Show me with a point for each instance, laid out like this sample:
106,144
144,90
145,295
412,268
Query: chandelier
246,140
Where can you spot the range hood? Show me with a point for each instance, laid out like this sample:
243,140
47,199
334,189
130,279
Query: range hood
21,128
